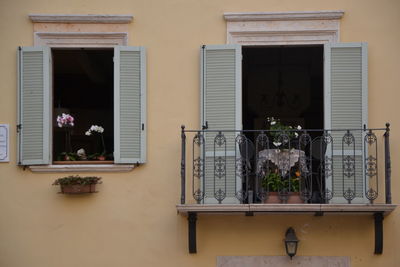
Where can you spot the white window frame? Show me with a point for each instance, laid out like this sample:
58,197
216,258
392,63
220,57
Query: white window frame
100,38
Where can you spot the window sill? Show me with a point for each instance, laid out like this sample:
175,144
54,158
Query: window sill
83,168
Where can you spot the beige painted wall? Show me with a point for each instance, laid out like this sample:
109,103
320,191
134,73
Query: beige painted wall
133,220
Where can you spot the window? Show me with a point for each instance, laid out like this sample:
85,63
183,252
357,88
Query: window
43,82
344,102
83,87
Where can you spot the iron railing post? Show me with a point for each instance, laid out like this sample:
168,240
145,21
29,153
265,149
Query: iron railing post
183,165
387,166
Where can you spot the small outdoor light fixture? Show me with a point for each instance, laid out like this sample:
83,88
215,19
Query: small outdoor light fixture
291,242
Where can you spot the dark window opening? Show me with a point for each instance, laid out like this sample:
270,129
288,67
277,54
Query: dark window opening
83,82
284,82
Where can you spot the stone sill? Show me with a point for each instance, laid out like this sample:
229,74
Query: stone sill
317,209
83,168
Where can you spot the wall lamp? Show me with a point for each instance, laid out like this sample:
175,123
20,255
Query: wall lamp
291,242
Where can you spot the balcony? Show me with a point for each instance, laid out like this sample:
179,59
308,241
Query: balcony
316,171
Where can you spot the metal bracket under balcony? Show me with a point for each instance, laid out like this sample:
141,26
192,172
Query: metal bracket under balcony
378,211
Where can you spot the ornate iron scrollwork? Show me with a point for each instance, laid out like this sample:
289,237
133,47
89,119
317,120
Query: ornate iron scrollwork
262,141
326,194
198,139
241,195
370,138
349,194
220,195
198,167
198,195
348,138
220,167
371,166
371,194
304,139
348,166
220,139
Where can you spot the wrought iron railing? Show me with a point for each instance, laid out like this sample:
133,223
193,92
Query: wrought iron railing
318,165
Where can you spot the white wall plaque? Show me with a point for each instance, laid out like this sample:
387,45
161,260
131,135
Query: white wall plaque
4,143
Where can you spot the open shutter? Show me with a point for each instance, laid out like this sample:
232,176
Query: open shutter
346,107
34,104
129,104
221,109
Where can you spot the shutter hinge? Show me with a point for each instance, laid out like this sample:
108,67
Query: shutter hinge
142,126
205,127
19,126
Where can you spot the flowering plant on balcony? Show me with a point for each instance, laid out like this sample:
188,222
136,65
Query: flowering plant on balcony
66,121
95,129
274,182
278,128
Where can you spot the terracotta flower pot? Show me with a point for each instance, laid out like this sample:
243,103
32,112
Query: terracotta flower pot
102,158
78,188
273,198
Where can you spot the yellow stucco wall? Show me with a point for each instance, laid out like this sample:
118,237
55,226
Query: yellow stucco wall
132,221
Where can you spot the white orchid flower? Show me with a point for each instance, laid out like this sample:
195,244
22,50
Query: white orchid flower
88,133
298,127
296,135
273,122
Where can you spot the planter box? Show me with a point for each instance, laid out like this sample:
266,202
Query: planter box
78,189
273,198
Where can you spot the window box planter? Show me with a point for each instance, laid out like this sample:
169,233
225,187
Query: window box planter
77,184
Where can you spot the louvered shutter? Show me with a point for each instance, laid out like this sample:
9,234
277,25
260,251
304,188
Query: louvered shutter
221,109
129,104
346,107
34,104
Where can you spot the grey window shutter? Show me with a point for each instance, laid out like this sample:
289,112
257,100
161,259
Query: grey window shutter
346,107
221,109
34,105
129,104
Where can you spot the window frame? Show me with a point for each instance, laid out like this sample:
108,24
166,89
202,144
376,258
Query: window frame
77,31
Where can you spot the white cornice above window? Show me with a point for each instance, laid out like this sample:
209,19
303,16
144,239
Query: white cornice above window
53,18
283,28
308,15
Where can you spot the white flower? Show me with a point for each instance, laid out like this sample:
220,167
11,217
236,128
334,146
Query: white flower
81,152
296,135
277,143
273,122
94,128
298,127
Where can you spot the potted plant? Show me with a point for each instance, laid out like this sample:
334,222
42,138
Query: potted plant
275,184
66,121
95,129
74,184
277,128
